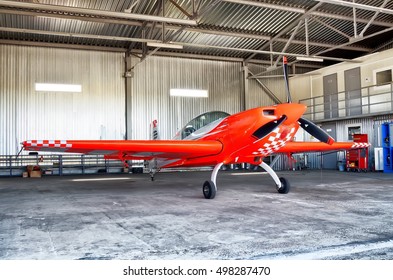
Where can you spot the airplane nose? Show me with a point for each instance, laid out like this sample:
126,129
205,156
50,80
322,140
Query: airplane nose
293,111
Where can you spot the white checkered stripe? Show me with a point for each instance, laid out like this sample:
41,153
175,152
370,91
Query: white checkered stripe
274,142
49,144
360,145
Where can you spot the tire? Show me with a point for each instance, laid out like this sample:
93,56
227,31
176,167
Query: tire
209,190
285,186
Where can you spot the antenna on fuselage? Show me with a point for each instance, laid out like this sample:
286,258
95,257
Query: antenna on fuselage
285,68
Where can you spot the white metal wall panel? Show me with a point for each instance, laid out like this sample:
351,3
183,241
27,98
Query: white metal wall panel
256,95
97,112
154,77
368,126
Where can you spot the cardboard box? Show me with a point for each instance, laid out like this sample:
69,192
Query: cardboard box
35,174
34,171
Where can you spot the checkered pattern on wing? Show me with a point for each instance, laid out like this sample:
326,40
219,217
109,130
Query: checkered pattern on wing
49,143
360,145
274,142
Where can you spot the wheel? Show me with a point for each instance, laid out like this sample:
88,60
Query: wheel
285,186
209,190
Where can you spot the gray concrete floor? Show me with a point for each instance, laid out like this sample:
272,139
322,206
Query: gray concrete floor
327,215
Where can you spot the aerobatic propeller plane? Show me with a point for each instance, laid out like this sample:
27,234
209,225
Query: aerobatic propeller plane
214,139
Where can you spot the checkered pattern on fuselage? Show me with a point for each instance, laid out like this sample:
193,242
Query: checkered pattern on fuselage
274,142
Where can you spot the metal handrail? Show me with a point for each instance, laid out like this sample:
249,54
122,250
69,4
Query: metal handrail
372,100
59,164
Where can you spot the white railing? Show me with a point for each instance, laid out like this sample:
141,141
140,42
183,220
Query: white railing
369,100
12,165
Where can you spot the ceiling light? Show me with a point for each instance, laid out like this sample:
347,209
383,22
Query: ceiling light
164,45
308,58
58,87
188,92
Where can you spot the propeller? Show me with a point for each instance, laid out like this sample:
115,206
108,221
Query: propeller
285,68
307,125
315,131
267,128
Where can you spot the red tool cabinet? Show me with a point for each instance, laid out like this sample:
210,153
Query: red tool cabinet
357,159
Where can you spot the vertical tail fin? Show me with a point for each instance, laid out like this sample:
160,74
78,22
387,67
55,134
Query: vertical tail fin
154,130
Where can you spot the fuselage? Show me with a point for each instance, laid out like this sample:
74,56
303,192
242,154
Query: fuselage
248,136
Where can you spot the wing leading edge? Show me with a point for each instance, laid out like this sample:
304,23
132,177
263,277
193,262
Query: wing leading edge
130,149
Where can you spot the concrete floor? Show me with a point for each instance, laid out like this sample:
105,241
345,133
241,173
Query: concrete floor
327,215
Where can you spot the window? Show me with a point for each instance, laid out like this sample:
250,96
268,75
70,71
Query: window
383,77
57,87
353,129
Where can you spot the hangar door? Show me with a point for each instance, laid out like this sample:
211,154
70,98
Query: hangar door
353,94
329,159
330,96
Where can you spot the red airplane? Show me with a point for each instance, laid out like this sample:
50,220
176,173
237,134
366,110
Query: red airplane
214,139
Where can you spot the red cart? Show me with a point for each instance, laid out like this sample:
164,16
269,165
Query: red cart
357,159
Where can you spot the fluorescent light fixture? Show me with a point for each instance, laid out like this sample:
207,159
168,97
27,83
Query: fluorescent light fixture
58,87
307,58
188,92
164,45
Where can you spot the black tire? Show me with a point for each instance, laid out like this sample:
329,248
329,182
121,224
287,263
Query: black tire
285,186
209,190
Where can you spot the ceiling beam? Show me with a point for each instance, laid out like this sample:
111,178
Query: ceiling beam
303,11
267,6
158,53
62,46
77,35
373,18
358,6
350,18
259,51
288,28
85,17
357,39
200,29
93,12
99,37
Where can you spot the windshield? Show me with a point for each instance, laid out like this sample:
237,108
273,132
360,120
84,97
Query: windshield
202,124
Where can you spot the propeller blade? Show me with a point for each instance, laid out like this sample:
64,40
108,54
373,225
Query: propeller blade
315,131
267,128
285,68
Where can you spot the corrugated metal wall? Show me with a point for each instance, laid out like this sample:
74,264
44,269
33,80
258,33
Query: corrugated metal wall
256,95
154,77
97,112
368,126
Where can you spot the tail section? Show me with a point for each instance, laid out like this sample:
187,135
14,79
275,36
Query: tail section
154,130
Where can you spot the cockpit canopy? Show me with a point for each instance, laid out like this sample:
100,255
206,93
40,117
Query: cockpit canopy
202,124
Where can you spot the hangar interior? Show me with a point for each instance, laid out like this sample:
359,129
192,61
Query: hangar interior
127,55
232,49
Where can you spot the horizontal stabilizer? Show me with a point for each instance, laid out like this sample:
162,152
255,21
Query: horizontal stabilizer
304,147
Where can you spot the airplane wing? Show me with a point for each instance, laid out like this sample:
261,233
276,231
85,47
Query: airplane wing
304,147
130,149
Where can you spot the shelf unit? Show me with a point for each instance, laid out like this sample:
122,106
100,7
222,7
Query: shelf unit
387,146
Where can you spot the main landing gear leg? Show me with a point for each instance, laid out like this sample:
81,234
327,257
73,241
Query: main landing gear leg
210,187
282,184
